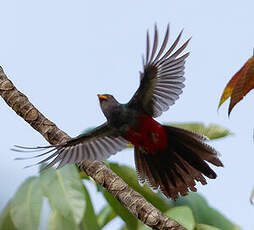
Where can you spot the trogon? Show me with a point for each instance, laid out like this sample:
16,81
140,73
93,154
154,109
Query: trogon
166,157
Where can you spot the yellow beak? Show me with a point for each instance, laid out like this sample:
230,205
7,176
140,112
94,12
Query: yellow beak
102,97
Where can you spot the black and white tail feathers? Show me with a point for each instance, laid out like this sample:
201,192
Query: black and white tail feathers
176,169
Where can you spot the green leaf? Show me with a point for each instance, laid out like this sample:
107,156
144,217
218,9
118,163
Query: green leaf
183,215
129,175
203,213
144,227
197,204
205,227
5,218
57,221
64,190
83,175
130,220
211,131
218,220
26,205
105,215
89,220
124,227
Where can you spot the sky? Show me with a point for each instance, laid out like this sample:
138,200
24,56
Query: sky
61,54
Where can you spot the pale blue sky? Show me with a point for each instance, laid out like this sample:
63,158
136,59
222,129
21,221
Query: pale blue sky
62,53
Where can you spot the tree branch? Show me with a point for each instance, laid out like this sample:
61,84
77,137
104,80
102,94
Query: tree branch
132,200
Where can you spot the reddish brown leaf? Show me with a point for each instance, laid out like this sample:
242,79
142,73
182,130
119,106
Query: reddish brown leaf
229,87
241,83
244,84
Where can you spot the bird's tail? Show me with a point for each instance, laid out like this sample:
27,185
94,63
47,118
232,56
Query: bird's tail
176,169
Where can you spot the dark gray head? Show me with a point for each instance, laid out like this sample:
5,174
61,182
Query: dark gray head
109,104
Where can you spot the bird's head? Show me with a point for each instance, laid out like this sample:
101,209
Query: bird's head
108,104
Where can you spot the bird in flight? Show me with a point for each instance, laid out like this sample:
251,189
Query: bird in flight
166,157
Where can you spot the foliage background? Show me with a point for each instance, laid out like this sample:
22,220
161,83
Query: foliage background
62,53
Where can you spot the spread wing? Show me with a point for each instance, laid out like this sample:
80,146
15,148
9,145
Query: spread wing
162,78
97,144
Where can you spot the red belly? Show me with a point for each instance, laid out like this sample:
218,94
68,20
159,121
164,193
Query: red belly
149,135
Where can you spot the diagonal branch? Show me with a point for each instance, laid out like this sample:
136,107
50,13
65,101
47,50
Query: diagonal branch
132,200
